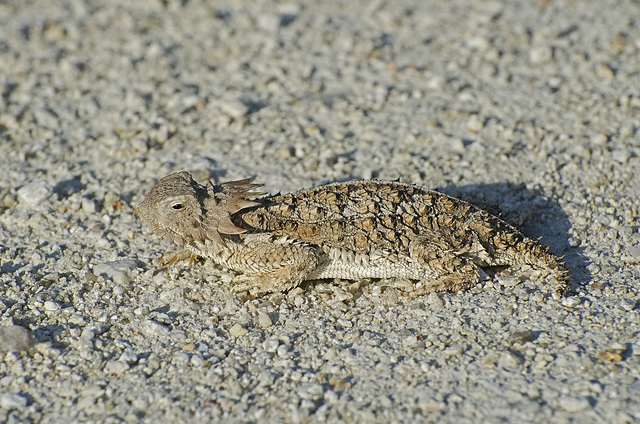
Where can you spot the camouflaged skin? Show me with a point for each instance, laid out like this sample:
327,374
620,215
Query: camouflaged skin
350,230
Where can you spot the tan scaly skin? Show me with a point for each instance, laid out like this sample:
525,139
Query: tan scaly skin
351,230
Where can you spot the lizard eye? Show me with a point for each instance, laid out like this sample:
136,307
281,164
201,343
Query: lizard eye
177,206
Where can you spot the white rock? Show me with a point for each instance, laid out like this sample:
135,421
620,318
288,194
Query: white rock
234,108
541,54
171,295
573,404
88,205
621,156
634,252
475,124
51,306
12,401
116,367
571,301
312,391
599,139
142,310
151,328
264,320
237,330
83,344
434,300
34,193
508,360
271,345
628,304
118,271
128,357
454,350
268,22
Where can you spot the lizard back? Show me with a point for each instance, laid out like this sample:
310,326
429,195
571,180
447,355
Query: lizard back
363,216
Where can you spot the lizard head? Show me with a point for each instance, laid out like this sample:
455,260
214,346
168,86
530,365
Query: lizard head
182,210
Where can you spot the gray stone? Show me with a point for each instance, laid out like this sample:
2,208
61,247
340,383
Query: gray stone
118,271
16,339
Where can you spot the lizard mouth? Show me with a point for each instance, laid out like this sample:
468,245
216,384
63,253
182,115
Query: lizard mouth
169,234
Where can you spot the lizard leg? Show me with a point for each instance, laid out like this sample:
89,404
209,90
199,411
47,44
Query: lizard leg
444,267
269,267
174,256
466,275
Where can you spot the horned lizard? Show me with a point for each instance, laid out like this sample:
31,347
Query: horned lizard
349,230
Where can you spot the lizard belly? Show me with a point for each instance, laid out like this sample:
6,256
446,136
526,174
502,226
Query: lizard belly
349,265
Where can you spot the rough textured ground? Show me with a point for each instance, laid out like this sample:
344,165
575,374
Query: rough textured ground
530,107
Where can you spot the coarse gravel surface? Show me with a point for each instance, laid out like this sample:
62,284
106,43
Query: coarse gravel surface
531,107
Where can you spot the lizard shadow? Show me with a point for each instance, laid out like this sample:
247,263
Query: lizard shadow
533,214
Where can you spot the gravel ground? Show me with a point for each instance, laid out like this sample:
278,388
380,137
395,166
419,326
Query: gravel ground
532,107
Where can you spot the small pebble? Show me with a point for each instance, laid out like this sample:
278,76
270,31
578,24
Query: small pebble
614,353
233,108
454,350
51,306
83,344
434,300
151,328
142,310
128,357
12,401
571,301
509,280
171,295
600,139
573,242
475,124
282,350
628,304
264,320
77,320
116,367
271,345
34,193
237,330
118,271
344,323
621,156
269,22
87,333
509,360
520,337
111,201
89,206
14,338
634,252
311,391
89,396
573,404
455,398
541,54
